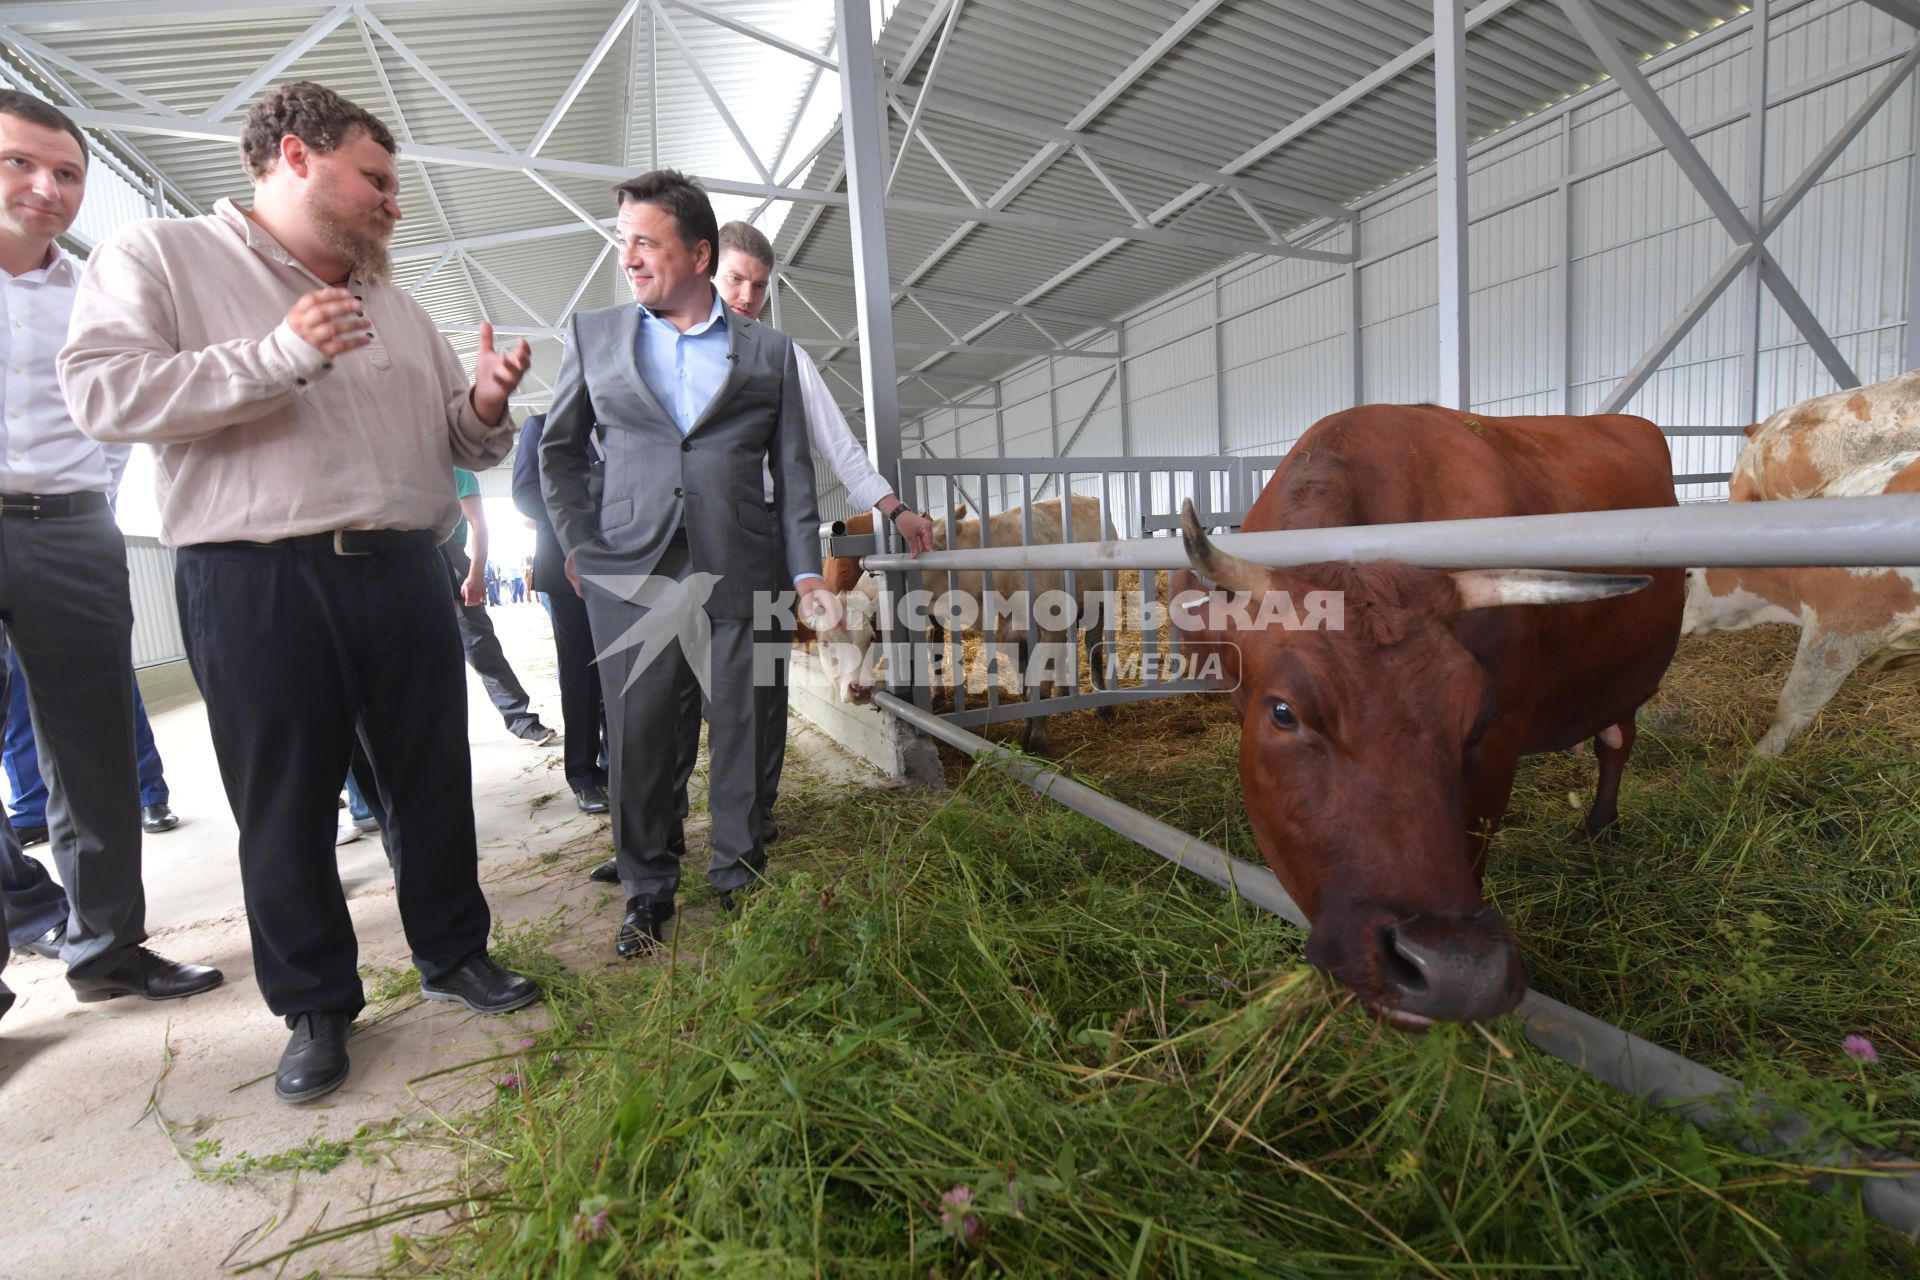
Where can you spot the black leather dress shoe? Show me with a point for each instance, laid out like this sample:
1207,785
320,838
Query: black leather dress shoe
156,818
769,833
47,945
315,1060
607,872
591,799
483,987
30,836
645,927
144,974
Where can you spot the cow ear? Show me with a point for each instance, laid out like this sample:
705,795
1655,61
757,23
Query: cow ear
1490,588
960,512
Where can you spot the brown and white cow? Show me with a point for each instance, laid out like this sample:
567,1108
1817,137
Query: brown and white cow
1376,759
1848,618
848,655
1802,449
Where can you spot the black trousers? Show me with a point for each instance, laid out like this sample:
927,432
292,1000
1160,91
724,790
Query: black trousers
582,705
484,653
292,650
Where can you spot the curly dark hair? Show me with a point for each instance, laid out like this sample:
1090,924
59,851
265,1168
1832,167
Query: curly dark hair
310,112
685,199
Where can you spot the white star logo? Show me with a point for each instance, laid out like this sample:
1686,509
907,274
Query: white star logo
675,610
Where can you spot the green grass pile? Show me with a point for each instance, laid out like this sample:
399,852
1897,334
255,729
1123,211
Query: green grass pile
972,1034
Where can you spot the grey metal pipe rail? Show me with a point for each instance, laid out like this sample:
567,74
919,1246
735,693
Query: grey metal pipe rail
1879,529
1698,1094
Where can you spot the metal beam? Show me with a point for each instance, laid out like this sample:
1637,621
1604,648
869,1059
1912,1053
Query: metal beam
978,349
713,95
752,32
956,296
581,77
1672,135
962,106
1759,42
1880,529
459,157
1359,89
567,202
1450,195
1906,11
1818,166
586,282
513,297
913,121
953,174
244,91
63,15
1113,230
1804,320
25,45
1709,293
432,77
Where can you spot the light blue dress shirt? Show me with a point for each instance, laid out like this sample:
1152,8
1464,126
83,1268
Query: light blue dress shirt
685,371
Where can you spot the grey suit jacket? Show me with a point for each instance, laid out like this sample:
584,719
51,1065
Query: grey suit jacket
655,479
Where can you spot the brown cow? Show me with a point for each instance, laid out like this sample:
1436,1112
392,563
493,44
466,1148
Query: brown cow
1376,759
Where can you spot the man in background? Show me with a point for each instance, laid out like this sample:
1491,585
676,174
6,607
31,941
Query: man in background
482,646
64,596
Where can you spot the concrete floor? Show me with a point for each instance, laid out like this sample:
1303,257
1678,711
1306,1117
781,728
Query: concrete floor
109,1112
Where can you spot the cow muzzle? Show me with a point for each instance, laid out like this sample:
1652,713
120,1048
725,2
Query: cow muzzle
1416,970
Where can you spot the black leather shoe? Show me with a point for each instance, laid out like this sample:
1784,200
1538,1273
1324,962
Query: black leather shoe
607,872
645,927
483,987
156,818
539,735
144,974
769,833
731,900
591,799
30,836
47,945
315,1061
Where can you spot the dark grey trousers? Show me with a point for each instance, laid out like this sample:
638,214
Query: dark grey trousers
643,733
770,699
64,601
484,653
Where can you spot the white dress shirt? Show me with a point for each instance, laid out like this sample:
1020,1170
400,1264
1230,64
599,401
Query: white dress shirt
833,439
42,450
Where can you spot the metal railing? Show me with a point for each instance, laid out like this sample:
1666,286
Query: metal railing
1138,499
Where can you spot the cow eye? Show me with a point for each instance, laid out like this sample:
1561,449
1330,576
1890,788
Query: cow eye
1283,716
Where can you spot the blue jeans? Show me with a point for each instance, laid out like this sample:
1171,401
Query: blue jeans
22,760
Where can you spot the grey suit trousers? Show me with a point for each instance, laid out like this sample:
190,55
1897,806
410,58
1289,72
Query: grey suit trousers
64,600
643,724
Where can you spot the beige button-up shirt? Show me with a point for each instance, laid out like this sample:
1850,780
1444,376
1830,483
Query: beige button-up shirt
179,340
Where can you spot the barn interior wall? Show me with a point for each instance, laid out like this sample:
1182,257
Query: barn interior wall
1586,243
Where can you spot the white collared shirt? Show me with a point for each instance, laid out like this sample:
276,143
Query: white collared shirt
833,439
42,450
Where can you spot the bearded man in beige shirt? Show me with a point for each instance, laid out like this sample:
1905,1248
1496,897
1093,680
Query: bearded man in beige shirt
307,416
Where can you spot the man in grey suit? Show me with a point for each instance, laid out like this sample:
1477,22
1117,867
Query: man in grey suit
689,404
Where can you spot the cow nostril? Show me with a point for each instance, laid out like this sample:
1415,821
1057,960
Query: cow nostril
1398,966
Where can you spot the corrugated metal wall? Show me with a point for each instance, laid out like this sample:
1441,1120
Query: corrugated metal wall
156,614
1587,242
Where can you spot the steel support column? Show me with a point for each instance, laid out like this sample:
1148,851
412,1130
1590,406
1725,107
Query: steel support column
863,134
1450,193
1751,286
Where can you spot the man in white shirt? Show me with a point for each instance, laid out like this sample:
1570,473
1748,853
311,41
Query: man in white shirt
743,278
63,577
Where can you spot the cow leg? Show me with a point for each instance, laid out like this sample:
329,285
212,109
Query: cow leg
1489,782
1611,748
1820,667
1096,665
1034,738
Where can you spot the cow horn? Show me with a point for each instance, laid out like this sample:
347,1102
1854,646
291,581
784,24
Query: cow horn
1221,569
1489,588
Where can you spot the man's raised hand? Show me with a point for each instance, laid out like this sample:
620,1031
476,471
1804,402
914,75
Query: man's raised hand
496,374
